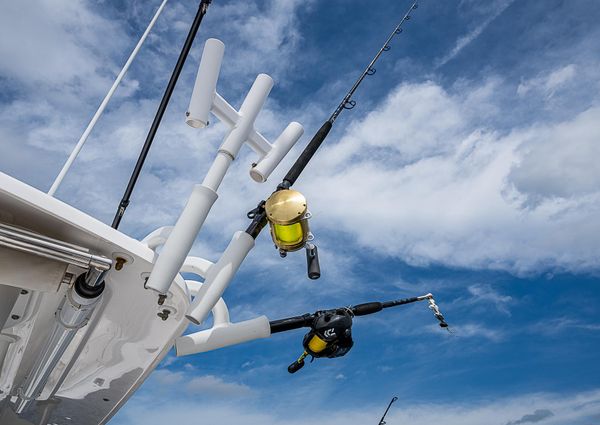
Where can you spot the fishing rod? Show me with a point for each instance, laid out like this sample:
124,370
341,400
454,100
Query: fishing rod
382,421
202,8
330,333
286,209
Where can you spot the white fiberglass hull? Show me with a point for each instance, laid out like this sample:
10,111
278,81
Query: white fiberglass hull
110,356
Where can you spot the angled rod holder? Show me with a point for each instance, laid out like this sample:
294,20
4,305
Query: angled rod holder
181,237
162,107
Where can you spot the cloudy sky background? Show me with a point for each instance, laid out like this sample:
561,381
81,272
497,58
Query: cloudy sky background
469,168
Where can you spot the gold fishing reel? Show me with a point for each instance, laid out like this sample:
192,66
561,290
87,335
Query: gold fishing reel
287,213
288,216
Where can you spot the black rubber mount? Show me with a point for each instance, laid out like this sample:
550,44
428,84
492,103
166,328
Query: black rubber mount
86,291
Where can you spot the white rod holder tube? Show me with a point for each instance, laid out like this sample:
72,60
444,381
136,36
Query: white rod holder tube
223,336
181,239
220,311
217,170
253,103
205,87
102,106
219,276
263,169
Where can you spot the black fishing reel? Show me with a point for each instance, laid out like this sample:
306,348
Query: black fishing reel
330,333
330,336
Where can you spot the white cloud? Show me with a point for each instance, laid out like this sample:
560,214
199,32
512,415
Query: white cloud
186,381
429,184
471,36
559,162
486,294
215,386
57,43
548,84
576,409
561,324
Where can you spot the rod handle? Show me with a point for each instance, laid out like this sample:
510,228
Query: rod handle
307,154
367,308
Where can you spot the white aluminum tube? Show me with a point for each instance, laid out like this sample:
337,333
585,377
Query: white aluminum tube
181,239
73,313
219,276
217,171
220,311
102,106
253,103
206,83
223,336
263,169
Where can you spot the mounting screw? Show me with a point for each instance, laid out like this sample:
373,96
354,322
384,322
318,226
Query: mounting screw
15,317
161,299
119,261
164,315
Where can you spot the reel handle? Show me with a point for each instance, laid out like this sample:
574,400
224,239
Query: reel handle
312,261
296,366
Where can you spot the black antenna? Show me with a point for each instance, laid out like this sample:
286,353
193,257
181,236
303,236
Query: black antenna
258,215
202,8
382,421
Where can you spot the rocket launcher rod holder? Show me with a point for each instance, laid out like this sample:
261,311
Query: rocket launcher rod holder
330,332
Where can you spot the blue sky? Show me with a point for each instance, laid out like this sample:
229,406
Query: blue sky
468,169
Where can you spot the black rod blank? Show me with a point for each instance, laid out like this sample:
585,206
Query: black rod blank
202,8
346,103
306,320
259,219
382,421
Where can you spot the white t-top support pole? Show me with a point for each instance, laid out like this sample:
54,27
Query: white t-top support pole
107,98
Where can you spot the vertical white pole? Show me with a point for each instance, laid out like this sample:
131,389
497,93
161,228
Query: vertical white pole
100,110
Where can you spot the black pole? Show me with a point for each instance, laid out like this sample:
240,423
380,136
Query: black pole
306,320
202,8
382,421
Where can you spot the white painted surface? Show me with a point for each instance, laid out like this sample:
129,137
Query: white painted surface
181,239
205,87
219,276
223,336
124,340
263,169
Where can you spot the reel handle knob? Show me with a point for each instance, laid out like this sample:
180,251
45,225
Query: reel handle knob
296,366
312,261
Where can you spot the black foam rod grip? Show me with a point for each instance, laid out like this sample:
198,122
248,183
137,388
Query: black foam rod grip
366,308
307,153
312,261
289,323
